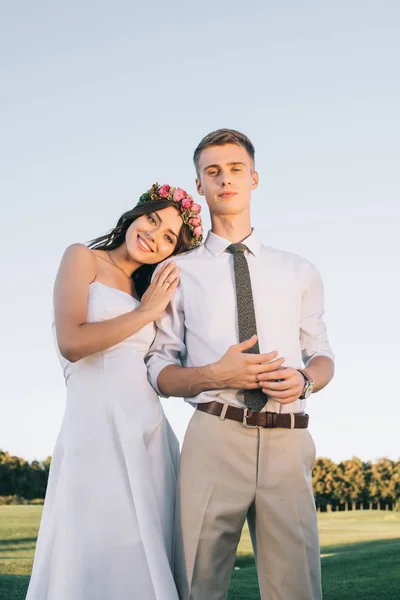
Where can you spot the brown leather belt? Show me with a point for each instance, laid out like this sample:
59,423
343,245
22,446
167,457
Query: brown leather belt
254,419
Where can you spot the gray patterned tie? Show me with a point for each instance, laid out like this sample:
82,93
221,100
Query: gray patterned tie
253,399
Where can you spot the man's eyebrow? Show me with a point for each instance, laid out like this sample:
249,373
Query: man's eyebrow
169,230
236,162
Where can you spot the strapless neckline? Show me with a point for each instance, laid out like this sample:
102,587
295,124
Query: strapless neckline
114,289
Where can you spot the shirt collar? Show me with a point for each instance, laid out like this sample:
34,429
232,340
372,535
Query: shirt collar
216,244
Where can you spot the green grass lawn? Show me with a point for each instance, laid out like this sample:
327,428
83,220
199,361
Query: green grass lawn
360,555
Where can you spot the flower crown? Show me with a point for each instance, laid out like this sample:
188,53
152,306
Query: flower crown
189,210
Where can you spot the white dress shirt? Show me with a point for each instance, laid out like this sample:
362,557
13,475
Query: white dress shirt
200,322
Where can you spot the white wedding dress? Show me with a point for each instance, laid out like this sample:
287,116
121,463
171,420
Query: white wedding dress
107,526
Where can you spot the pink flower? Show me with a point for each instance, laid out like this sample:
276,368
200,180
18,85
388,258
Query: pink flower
196,208
197,231
179,195
186,203
195,221
164,191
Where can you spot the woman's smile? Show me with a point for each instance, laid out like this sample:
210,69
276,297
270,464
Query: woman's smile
143,245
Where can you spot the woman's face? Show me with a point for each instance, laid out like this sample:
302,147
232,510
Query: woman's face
152,238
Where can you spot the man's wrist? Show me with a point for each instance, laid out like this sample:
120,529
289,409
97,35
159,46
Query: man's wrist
213,377
308,385
175,380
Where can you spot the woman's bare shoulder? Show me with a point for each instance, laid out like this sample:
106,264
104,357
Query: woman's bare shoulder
79,256
79,252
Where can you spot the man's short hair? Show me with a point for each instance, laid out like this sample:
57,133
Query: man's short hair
221,137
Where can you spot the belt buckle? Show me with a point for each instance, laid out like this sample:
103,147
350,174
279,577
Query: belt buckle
244,422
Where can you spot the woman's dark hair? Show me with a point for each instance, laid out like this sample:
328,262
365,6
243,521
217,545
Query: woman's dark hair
116,237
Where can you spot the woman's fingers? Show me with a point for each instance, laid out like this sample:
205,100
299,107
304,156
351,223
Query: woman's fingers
164,272
173,285
169,276
160,276
172,282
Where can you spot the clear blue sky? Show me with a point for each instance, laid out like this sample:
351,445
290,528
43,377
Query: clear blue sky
100,99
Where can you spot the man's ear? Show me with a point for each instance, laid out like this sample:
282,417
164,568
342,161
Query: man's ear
254,183
198,187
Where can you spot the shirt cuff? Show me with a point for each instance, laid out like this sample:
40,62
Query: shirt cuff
153,372
327,353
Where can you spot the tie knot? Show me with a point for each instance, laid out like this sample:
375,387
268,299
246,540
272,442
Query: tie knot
236,248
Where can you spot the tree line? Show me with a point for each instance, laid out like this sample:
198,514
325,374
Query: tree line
355,484
348,485
21,480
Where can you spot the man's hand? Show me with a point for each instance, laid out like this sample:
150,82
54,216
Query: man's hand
239,370
285,385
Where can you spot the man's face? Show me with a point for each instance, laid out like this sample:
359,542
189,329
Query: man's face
226,179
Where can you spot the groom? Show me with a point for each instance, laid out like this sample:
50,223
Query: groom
247,451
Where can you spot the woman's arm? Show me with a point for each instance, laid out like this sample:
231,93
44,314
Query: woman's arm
75,336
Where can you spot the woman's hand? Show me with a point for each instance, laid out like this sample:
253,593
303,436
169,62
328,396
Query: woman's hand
78,338
159,293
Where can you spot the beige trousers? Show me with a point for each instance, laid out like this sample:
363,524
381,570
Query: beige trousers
228,473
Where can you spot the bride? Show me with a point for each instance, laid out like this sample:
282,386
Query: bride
107,526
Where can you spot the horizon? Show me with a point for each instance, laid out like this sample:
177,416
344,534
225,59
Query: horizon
99,102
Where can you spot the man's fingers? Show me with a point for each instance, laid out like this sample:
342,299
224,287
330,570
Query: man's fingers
263,358
251,385
246,345
283,395
256,358
279,374
278,385
266,367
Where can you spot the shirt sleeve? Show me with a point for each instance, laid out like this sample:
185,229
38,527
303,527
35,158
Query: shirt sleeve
313,333
168,347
